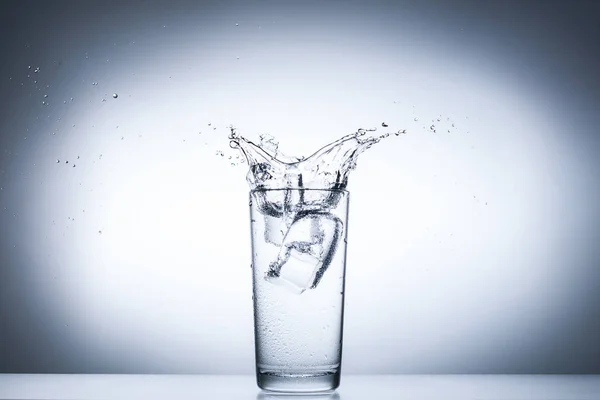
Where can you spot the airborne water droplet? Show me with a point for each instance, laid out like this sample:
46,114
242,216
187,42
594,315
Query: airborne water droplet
115,95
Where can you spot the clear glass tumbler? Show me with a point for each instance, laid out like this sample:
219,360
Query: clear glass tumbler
298,262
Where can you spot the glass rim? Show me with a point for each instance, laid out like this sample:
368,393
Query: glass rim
298,189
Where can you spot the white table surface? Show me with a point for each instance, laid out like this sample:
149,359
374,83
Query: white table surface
353,387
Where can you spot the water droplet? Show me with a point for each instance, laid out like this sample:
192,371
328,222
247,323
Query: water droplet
209,124
401,132
104,100
237,24
29,67
122,137
73,165
36,70
66,162
384,125
100,232
64,102
237,58
57,161
45,96
415,118
115,95
78,157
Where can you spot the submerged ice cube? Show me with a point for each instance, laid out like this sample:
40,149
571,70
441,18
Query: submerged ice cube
275,230
306,251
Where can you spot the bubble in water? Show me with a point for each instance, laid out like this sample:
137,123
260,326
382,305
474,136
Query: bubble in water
115,95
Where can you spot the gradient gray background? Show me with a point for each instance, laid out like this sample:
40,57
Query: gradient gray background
472,249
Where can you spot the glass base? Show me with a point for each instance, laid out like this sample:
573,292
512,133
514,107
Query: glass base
313,382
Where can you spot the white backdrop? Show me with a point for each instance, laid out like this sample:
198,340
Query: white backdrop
471,249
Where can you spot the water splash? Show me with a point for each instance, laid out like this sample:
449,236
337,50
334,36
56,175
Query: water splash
327,168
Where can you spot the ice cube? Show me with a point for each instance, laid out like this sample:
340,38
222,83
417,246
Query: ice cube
306,252
270,202
275,229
